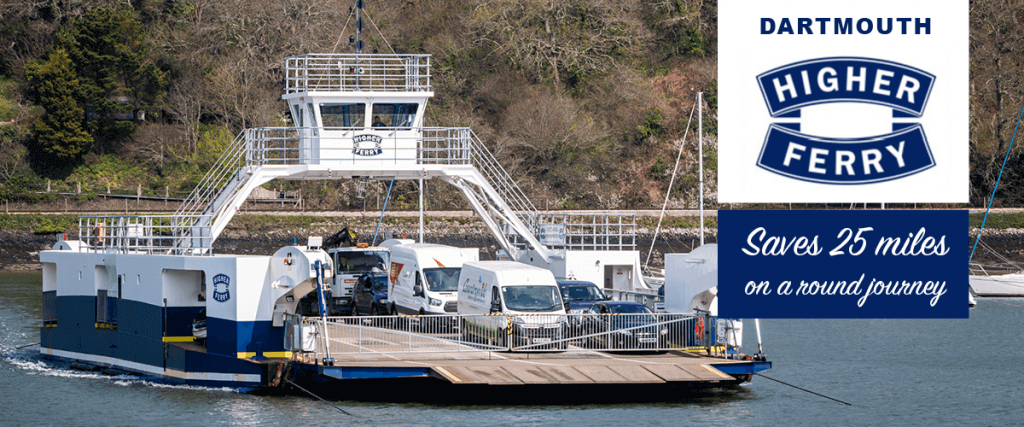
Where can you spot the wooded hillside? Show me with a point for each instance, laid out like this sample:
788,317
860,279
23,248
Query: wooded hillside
585,102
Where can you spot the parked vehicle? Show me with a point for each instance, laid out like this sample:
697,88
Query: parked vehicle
527,296
623,325
371,295
352,262
425,277
579,295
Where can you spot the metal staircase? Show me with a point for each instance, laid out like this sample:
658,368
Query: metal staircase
221,184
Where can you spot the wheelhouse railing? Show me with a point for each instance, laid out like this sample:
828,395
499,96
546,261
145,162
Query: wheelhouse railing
174,235
357,72
294,146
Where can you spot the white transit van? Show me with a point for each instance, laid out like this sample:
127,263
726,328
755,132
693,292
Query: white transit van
425,276
528,297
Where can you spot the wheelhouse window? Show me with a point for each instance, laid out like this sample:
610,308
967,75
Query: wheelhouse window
343,115
312,115
297,115
394,115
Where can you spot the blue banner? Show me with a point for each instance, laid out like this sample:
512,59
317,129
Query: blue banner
846,161
844,264
846,79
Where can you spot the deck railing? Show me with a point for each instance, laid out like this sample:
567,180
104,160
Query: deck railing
593,232
175,235
518,333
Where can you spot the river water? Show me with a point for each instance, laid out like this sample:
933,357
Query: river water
902,372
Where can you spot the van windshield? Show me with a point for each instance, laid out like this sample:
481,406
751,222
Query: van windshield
532,298
362,262
442,279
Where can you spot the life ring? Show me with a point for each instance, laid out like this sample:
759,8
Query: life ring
698,327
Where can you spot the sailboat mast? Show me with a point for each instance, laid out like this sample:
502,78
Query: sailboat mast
700,160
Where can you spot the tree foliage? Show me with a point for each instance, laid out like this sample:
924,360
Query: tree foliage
58,139
115,65
558,37
578,99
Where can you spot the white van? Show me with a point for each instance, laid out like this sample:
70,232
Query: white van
425,276
527,296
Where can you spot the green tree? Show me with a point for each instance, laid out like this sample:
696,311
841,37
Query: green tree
116,68
58,139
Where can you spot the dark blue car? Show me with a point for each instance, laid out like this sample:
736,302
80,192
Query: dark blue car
579,295
370,296
623,325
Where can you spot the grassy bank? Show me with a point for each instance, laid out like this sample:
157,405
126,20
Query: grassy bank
39,224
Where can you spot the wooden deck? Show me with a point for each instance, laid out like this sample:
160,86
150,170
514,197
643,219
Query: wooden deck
440,356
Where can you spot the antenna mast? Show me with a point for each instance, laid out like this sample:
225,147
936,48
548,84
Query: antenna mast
354,40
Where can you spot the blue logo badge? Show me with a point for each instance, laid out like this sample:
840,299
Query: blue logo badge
903,152
220,287
366,145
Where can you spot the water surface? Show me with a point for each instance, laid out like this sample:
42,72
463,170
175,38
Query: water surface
904,372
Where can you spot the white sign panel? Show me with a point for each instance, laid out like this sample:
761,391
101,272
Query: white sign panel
840,102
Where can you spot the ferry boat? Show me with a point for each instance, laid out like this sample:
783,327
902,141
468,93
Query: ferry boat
147,294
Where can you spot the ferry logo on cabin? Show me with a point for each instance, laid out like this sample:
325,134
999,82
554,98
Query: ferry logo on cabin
843,102
221,282
366,145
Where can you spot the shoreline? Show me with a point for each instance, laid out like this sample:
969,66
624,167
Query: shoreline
19,250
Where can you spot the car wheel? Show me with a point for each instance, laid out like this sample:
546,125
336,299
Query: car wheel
374,311
355,311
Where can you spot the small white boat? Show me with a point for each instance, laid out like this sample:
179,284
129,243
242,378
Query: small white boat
199,327
995,285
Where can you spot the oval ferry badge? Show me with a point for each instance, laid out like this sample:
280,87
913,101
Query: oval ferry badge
822,159
220,288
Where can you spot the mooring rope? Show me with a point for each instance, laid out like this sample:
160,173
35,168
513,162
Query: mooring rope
388,197
804,389
318,397
26,345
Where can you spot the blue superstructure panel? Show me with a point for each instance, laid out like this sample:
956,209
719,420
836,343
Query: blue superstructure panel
221,336
743,368
140,319
363,372
179,320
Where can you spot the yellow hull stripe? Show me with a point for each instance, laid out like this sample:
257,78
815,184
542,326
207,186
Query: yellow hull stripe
246,355
179,339
278,354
